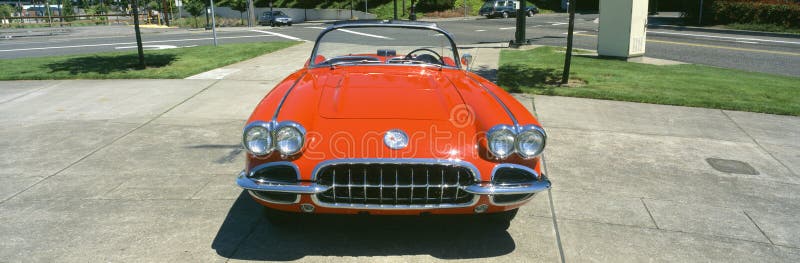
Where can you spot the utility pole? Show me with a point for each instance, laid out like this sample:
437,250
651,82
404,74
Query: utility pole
251,13
568,58
395,9
365,6
213,24
519,35
138,33
700,16
465,9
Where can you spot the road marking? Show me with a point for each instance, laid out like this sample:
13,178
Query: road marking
315,27
219,73
507,28
126,43
557,24
746,42
480,30
721,37
576,32
150,47
278,35
713,46
364,34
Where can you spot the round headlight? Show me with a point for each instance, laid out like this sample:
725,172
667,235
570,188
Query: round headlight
501,141
289,138
257,139
530,142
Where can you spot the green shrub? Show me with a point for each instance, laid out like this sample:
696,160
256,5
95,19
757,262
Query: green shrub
784,13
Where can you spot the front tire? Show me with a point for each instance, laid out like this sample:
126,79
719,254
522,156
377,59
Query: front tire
530,13
505,14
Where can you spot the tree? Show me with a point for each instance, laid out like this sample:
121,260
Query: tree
195,8
238,5
68,10
6,11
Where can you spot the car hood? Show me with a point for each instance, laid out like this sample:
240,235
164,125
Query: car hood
415,94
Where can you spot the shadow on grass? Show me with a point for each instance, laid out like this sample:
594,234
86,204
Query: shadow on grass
109,64
514,77
247,235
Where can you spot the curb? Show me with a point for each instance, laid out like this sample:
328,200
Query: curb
724,31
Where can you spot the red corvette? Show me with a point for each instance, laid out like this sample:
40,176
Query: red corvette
383,121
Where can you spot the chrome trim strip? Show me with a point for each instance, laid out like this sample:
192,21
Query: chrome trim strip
508,111
450,162
282,187
254,195
280,105
526,188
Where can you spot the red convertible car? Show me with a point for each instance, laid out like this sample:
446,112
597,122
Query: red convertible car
382,120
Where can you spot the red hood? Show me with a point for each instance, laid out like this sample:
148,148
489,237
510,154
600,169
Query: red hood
418,95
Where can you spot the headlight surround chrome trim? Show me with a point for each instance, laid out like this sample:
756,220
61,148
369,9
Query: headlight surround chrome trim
268,126
528,129
505,129
289,125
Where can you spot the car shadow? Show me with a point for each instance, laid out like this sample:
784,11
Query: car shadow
246,234
107,64
514,77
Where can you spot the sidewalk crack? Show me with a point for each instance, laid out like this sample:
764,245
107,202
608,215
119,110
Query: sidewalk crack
649,213
758,227
758,144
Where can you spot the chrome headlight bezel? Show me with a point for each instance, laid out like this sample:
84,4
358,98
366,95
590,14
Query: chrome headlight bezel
495,134
267,128
528,130
289,126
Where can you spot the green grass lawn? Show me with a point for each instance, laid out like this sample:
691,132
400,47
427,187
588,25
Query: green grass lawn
539,70
161,64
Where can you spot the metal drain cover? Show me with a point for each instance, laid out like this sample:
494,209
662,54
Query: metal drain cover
731,166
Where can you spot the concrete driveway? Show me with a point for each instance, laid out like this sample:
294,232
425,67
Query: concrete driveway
143,170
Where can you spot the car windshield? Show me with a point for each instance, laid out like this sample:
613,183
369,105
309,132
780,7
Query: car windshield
385,45
488,4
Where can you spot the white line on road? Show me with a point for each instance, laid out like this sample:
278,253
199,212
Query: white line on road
721,37
557,24
507,28
364,34
746,42
278,35
480,30
150,47
574,32
315,27
126,43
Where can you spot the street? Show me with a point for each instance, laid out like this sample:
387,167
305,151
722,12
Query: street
769,54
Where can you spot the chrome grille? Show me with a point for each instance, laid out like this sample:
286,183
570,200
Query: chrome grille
395,184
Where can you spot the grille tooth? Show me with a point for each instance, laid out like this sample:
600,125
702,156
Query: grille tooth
395,184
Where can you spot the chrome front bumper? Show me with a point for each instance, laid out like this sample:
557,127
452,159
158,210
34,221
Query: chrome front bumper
314,188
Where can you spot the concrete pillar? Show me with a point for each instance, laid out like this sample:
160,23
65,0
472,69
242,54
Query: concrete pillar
622,29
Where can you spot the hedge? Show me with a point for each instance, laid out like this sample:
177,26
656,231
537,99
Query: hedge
777,12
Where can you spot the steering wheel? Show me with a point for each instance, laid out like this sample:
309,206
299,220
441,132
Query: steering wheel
426,57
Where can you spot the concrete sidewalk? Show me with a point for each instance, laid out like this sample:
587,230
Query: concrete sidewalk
143,170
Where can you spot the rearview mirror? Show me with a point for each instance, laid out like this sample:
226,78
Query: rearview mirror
466,60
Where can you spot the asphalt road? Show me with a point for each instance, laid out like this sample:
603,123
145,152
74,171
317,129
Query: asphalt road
750,53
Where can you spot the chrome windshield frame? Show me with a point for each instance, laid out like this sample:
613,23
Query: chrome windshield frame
385,24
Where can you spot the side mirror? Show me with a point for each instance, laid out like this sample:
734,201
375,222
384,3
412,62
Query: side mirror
466,60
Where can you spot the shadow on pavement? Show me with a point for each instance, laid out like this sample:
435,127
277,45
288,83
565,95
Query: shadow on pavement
107,64
514,77
246,234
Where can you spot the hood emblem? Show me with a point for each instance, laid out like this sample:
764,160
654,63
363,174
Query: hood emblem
395,139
